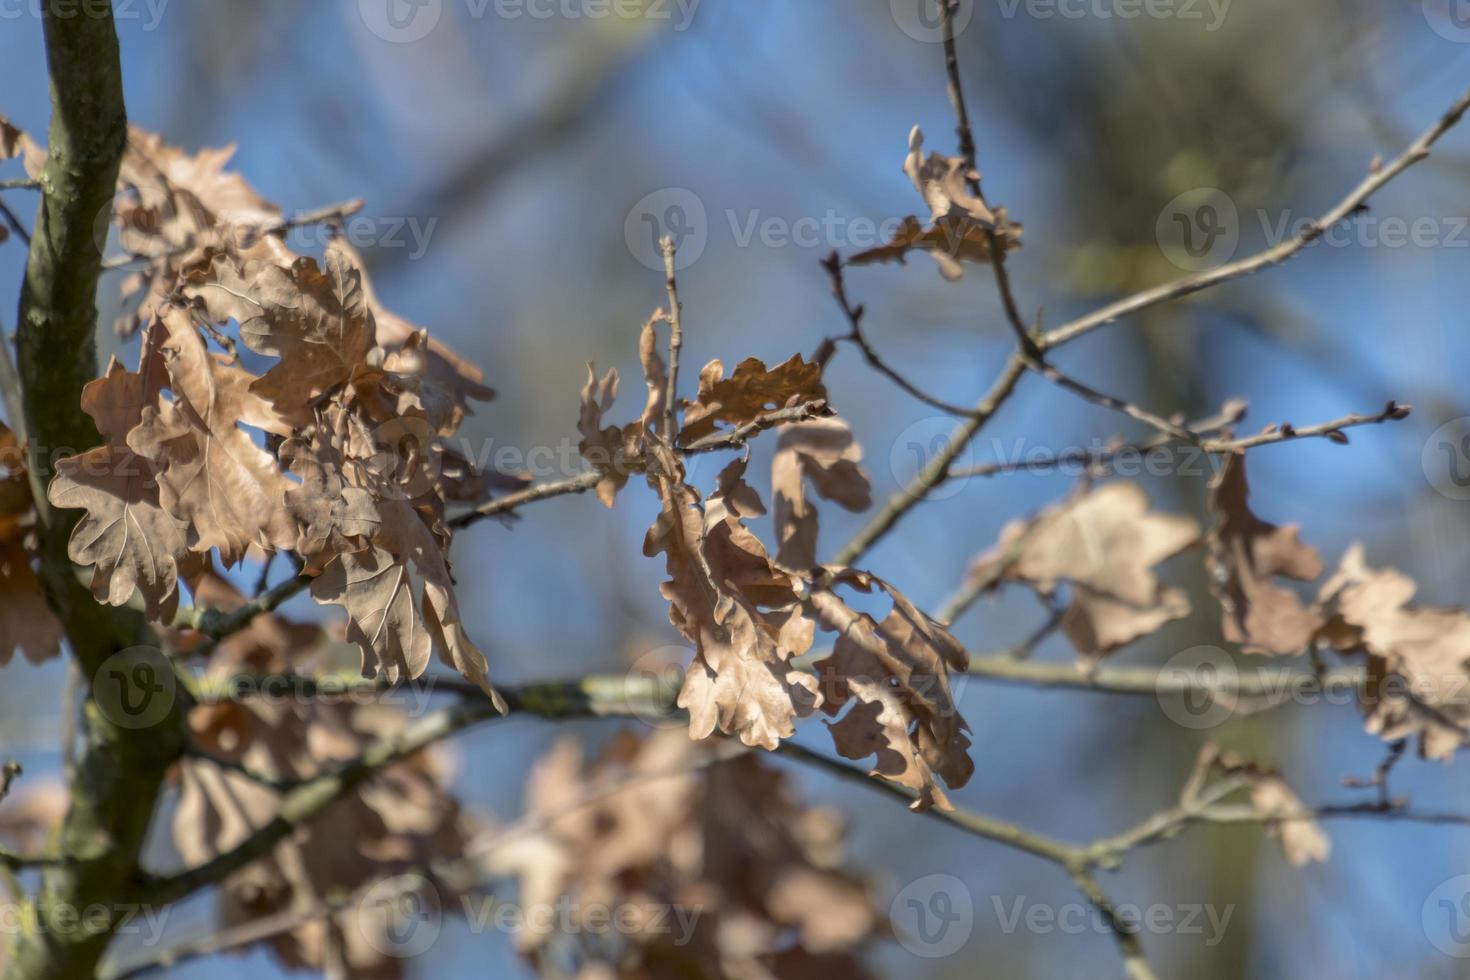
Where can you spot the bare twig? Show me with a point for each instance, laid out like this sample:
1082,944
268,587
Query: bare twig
1056,377
14,223
1393,412
937,470
19,184
676,338
968,151
855,335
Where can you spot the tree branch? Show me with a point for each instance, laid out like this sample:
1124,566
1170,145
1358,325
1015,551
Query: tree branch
118,773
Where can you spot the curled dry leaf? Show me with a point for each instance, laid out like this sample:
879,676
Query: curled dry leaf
893,677
960,223
671,849
1418,658
1104,543
752,390
740,611
608,448
1245,553
211,474
128,538
173,210
315,320
339,452
825,453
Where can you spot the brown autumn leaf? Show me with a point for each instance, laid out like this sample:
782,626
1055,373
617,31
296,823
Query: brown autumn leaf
170,199
739,610
173,210
960,224
652,826
752,390
1418,657
15,142
316,320
1245,553
400,601
211,473
824,453
26,620
894,678
27,623
445,383
605,447
1104,543
128,538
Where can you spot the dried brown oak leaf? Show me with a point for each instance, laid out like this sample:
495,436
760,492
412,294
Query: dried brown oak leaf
211,473
444,382
173,209
960,224
752,390
1245,554
315,319
740,611
825,454
894,678
1105,544
661,829
399,597
128,538
26,620
1419,658
607,448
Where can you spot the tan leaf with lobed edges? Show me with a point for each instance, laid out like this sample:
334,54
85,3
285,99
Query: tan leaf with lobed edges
1104,543
1418,657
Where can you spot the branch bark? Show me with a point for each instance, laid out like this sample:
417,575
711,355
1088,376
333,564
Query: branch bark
118,774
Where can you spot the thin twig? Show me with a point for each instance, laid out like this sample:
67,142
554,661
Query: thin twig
19,184
855,335
937,469
676,338
968,151
14,223
1067,383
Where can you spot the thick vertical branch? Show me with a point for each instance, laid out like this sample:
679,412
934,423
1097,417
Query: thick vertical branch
119,772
